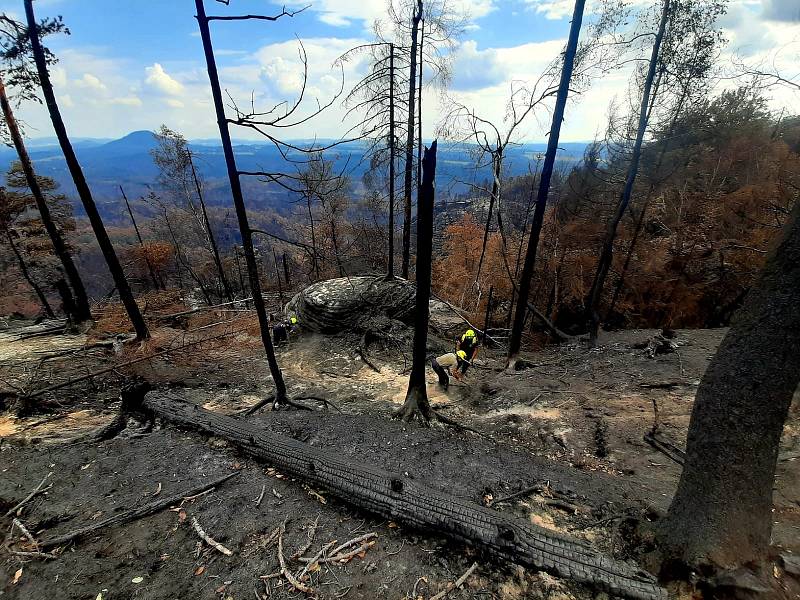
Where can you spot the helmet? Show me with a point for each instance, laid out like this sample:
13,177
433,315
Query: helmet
470,333
293,320
461,354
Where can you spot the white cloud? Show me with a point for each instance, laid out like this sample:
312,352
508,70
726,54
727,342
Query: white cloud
160,80
473,68
127,101
91,82
174,103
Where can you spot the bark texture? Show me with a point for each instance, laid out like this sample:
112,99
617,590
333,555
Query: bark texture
721,512
414,503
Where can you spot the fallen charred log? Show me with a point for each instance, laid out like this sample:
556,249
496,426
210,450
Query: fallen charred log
413,503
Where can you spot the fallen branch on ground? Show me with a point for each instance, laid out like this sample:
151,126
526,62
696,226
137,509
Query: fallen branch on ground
128,363
666,447
457,584
36,491
286,572
133,514
208,539
526,492
413,502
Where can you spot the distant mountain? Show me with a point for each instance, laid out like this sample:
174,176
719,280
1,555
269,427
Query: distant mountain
127,162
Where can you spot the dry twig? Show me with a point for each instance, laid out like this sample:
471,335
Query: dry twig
458,583
37,490
208,539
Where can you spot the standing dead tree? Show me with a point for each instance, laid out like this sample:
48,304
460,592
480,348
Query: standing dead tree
178,174
156,283
686,71
238,199
515,341
106,247
416,405
462,122
607,251
375,97
442,28
21,74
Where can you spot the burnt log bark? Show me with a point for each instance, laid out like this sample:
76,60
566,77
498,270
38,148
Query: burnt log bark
413,502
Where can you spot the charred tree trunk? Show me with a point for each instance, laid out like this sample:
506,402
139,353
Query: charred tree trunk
82,309
392,176
419,104
515,341
314,256
212,241
409,166
417,404
607,252
413,502
286,273
721,514
106,247
497,166
278,277
241,209
141,242
48,310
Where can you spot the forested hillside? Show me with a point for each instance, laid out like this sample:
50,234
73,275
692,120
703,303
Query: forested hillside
409,300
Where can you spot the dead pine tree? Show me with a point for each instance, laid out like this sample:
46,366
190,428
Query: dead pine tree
515,339
23,268
106,247
607,251
408,169
375,96
153,277
721,515
238,202
416,405
25,78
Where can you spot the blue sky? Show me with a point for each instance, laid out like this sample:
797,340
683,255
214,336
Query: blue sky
133,65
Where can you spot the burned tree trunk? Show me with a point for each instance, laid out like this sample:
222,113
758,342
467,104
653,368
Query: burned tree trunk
82,309
409,166
607,252
416,404
497,165
241,209
212,241
153,277
721,514
390,268
515,341
23,267
414,503
106,247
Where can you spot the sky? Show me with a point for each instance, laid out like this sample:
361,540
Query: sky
131,65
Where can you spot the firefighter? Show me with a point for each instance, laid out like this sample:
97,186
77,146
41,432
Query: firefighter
469,344
451,363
